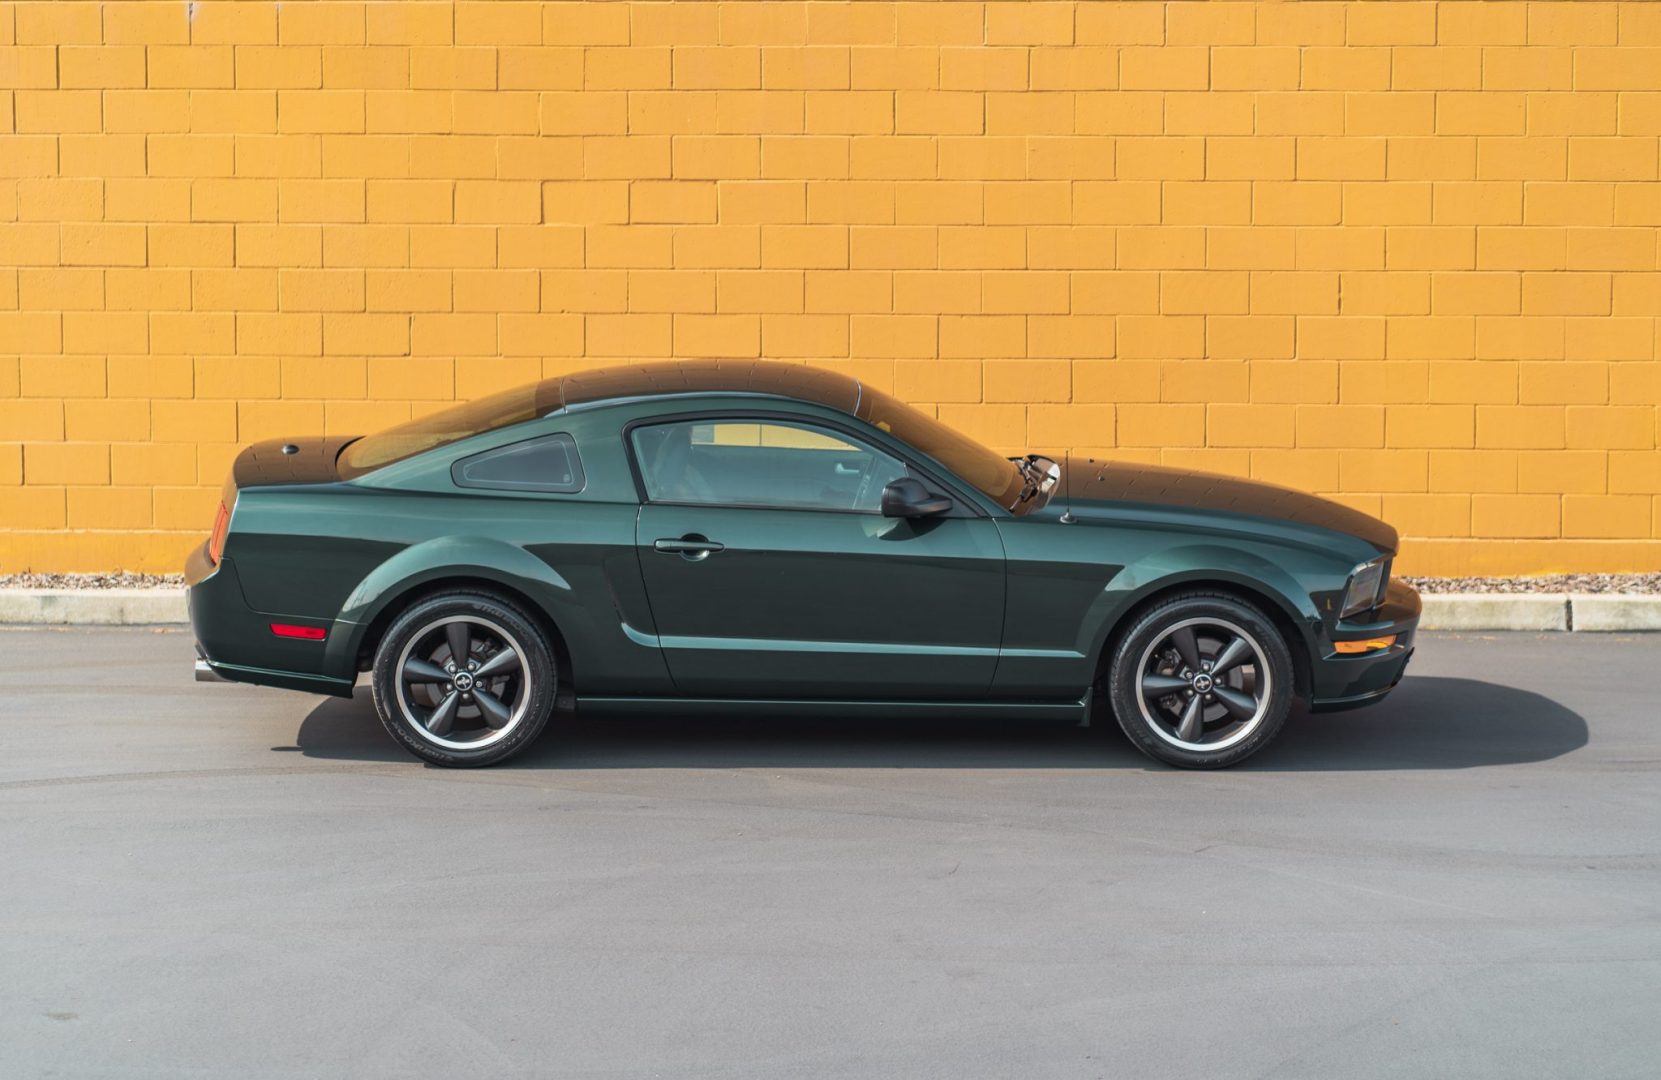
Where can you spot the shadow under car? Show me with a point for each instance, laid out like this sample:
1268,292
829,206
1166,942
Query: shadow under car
1428,723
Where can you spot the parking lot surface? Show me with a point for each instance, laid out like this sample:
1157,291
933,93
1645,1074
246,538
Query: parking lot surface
216,880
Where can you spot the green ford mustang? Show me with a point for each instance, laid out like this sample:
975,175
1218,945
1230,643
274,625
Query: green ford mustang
711,537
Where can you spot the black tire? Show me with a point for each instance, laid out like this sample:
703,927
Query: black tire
1155,652
503,711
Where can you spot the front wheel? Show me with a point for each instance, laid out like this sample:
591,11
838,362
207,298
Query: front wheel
1201,681
464,679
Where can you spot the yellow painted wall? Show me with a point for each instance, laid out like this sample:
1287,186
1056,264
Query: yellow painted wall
1405,253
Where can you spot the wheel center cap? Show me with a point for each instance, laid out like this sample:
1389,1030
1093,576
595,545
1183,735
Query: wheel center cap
1202,683
463,680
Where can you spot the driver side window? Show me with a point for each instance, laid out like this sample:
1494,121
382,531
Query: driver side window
762,463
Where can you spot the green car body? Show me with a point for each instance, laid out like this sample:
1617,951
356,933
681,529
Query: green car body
984,606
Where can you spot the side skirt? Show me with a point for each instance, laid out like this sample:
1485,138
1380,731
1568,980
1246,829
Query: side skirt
1018,710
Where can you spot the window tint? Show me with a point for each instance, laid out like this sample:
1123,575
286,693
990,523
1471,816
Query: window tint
762,463
546,464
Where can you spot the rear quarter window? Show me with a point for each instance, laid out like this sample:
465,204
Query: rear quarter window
545,464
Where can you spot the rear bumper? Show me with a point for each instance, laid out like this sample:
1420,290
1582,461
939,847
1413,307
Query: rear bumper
1340,681
234,642
213,671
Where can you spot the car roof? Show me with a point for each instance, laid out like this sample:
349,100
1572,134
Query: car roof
797,381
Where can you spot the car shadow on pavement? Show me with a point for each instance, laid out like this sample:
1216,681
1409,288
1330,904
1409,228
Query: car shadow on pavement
1428,723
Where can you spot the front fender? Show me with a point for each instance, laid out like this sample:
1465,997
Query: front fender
443,558
1201,564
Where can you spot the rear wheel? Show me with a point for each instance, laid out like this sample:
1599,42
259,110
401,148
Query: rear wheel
1201,681
464,679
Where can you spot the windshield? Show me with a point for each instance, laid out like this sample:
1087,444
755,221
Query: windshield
995,476
445,426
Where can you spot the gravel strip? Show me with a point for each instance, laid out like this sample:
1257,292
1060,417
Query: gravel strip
1549,583
120,580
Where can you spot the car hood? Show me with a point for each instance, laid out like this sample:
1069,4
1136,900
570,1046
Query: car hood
1089,483
312,461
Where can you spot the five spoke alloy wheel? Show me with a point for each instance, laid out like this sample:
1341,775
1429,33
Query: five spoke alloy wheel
1205,685
464,679
1201,680
462,683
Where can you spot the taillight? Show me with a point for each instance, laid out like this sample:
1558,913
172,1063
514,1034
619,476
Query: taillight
221,525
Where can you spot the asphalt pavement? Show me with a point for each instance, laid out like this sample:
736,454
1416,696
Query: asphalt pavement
224,881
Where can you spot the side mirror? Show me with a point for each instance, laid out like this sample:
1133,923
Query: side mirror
908,498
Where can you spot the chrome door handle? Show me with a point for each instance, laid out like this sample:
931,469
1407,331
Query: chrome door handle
691,547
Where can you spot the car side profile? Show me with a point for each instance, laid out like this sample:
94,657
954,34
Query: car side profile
723,536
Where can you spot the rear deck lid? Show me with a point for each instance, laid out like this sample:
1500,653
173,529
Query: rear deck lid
289,461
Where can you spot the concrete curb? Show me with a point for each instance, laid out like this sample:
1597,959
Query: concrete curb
1443,611
1606,611
1495,611
93,607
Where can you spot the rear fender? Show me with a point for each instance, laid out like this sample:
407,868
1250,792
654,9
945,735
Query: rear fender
432,562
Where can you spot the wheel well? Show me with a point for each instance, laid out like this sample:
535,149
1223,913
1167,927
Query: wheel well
1262,602
532,610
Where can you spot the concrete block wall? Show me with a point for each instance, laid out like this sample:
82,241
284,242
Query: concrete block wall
1401,253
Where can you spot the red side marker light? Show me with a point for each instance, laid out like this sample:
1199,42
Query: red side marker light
304,633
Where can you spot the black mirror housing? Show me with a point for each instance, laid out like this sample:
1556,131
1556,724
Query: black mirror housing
908,498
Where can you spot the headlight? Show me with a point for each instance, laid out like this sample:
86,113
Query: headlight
1366,588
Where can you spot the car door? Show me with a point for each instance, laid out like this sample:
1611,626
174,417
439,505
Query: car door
771,571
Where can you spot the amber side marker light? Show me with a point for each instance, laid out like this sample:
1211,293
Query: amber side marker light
304,633
1371,644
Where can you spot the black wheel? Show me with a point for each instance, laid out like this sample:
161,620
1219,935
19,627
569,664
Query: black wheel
464,679
1201,681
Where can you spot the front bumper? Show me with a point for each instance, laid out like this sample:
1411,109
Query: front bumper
1344,681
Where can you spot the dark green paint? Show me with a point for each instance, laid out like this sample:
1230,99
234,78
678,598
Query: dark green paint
802,610
911,606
